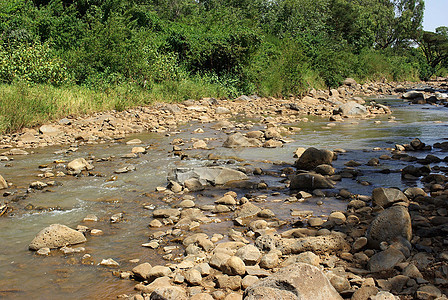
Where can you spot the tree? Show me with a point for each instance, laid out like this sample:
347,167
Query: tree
435,47
395,21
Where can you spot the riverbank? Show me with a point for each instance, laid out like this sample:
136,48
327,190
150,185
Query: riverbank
219,240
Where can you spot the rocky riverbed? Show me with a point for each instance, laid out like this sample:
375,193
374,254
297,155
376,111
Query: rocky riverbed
230,228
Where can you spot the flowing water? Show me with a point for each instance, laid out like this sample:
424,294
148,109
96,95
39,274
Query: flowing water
24,275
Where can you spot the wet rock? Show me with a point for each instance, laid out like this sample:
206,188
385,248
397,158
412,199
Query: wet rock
413,192
43,251
134,142
207,176
78,165
3,183
249,254
109,263
115,218
226,200
56,236
385,197
126,169
272,144
16,151
309,182
313,157
389,225
299,281
385,260
239,140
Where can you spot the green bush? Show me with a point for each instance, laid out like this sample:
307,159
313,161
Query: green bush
31,63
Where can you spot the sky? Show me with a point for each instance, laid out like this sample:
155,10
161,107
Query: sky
436,14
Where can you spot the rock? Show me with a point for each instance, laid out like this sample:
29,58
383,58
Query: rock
200,144
138,150
385,260
109,263
428,292
340,283
305,257
315,244
207,176
234,266
158,271
28,138
201,296
315,222
360,243
56,236
364,293
16,151
249,254
3,183
411,95
229,282
382,295
269,260
313,157
247,210
309,182
325,169
50,130
249,280
78,165
43,251
385,197
134,142
239,140
299,281
349,82
169,293
166,213
222,110
226,200
193,277
115,218
353,109
272,144
337,218
389,225
142,271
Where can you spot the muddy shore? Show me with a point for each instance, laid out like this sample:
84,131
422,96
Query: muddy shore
385,245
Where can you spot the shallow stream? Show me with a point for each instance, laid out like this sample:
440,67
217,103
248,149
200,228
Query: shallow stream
25,275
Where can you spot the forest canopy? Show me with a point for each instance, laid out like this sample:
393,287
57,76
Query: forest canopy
221,47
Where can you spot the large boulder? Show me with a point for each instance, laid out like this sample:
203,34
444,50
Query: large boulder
56,236
390,225
352,109
206,176
385,260
239,140
411,95
385,197
310,181
298,281
313,157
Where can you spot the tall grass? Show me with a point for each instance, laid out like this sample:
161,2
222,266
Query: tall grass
23,105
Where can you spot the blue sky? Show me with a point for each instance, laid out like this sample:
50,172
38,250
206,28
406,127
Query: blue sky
436,14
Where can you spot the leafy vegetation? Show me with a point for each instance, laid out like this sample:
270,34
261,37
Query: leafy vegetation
173,50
